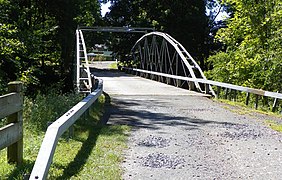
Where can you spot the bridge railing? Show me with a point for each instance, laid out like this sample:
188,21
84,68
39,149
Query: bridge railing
11,135
257,92
55,131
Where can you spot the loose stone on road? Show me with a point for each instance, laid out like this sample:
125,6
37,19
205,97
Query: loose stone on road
178,134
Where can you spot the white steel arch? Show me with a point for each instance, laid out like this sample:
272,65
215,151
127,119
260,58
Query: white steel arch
167,55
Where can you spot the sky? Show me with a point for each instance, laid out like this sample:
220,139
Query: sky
105,8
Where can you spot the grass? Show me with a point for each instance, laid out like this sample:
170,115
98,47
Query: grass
114,66
95,151
242,109
273,125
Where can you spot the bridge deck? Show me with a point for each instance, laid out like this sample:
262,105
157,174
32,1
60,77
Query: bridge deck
178,135
119,83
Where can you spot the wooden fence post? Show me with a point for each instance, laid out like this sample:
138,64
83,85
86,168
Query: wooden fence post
15,151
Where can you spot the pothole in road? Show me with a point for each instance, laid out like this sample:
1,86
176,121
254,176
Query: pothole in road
159,160
243,134
241,131
153,141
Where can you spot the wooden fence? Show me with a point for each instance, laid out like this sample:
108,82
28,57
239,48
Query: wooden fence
11,135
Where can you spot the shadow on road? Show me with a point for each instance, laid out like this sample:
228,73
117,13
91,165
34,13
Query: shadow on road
144,114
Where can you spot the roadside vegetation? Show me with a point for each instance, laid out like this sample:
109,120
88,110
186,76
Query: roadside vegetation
37,47
274,125
94,150
251,50
242,109
114,65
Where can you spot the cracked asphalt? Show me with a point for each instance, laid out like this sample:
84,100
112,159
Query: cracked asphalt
177,134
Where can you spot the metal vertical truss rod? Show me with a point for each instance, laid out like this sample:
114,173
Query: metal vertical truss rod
189,66
82,65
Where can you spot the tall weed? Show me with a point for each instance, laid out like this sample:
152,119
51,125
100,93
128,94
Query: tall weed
46,108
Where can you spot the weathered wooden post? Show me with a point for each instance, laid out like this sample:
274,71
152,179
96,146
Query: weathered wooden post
207,88
15,151
256,102
226,93
218,92
235,96
247,99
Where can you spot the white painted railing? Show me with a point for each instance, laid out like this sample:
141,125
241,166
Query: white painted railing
56,129
248,90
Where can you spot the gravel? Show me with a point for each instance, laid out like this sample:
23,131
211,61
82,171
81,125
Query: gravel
169,141
159,160
153,141
190,137
241,132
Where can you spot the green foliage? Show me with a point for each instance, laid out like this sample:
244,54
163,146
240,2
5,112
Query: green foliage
94,151
253,46
274,125
47,108
10,50
98,156
37,40
186,21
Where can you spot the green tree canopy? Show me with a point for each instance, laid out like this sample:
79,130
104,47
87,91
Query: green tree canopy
253,42
37,39
186,21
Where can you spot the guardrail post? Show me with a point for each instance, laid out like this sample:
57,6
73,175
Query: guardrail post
191,85
218,92
15,151
247,98
256,102
226,93
207,88
136,73
178,83
168,80
235,96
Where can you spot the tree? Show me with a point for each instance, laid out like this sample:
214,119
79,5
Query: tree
186,21
253,41
43,37
10,47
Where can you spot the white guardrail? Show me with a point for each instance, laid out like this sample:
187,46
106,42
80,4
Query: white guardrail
55,131
214,83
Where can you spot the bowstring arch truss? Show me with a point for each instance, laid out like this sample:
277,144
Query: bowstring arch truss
159,52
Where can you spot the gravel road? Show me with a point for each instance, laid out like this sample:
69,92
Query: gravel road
183,135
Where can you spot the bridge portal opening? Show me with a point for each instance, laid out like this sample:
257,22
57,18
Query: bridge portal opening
103,44
156,55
